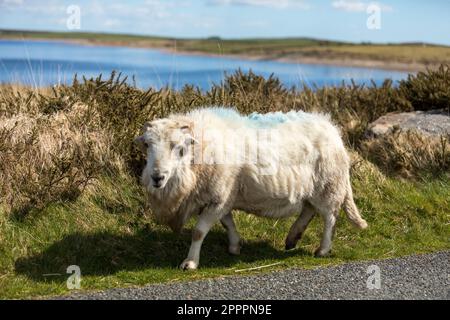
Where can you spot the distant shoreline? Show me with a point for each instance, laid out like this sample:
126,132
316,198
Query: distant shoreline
341,62
369,64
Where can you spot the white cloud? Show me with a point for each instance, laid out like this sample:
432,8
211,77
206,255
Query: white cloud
151,9
149,16
357,5
50,7
114,16
112,23
279,4
11,2
348,5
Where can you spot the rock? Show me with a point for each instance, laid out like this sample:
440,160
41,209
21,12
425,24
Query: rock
433,123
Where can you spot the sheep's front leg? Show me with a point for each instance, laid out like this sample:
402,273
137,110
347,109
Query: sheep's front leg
205,222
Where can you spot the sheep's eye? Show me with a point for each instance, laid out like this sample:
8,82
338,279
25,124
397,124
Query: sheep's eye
181,152
172,145
146,144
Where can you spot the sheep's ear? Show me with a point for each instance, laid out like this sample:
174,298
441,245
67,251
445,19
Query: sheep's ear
191,140
187,130
185,127
140,144
146,126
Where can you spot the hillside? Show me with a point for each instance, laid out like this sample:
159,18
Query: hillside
410,56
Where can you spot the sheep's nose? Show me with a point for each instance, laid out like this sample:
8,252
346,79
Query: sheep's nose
158,178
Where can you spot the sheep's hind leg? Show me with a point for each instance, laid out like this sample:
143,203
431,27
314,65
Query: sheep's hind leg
234,246
206,220
299,227
328,233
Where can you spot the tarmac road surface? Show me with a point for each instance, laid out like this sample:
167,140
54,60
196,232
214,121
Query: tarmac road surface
415,277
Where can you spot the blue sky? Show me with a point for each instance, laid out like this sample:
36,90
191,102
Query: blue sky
401,20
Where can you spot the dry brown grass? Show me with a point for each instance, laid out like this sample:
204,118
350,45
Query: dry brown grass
409,153
54,157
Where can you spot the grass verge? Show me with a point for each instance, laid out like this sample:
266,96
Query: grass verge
107,233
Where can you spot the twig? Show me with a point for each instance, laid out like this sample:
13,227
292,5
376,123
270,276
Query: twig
260,267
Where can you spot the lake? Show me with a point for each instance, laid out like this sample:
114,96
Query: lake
43,63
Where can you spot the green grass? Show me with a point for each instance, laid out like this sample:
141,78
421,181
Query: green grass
108,235
276,48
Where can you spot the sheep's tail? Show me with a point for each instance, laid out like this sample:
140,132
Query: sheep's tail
352,211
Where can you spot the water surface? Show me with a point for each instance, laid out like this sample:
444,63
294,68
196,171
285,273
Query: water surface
43,63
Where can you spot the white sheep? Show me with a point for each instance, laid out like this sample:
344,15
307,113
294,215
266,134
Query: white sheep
211,161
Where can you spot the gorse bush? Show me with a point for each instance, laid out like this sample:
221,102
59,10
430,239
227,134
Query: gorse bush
428,90
55,142
353,107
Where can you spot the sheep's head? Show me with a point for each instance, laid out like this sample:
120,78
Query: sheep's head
167,145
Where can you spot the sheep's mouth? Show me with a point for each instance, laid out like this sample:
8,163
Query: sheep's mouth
159,181
159,184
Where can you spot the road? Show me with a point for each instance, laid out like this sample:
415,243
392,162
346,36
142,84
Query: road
414,277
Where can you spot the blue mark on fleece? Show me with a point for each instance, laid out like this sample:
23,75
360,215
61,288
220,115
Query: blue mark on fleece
258,120
268,120
227,113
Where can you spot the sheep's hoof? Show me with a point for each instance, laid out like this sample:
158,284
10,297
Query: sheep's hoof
290,245
234,250
291,242
319,253
188,265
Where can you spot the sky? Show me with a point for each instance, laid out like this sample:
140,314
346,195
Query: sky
346,20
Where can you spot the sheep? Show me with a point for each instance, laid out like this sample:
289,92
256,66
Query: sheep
211,161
